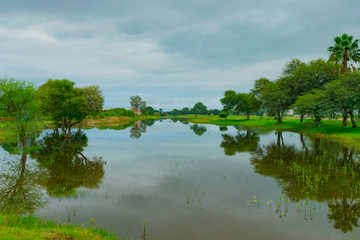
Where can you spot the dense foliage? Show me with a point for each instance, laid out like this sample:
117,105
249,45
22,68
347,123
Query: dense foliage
318,88
19,104
116,112
67,105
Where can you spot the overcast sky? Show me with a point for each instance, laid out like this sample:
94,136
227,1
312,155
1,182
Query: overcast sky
171,53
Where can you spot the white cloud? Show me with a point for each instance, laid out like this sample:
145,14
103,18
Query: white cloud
171,54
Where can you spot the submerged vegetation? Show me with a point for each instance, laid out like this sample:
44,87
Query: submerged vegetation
317,171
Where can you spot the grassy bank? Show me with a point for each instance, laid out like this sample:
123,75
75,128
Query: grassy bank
114,122
330,129
7,133
18,227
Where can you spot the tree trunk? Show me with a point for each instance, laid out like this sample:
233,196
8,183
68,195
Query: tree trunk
345,153
280,139
65,143
23,140
301,118
279,117
56,131
247,116
317,121
302,140
66,128
352,119
345,117
317,145
247,132
345,64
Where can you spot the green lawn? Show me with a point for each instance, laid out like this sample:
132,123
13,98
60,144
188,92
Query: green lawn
331,129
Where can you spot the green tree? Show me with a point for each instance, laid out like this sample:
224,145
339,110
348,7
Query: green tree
344,95
185,111
314,103
229,100
223,114
199,108
94,100
259,85
136,102
214,111
314,75
148,110
292,66
344,51
275,98
175,112
19,103
67,105
245,103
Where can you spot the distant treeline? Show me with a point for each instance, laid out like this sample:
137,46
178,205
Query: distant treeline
198,108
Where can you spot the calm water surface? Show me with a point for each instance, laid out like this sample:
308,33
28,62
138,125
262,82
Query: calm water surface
188,181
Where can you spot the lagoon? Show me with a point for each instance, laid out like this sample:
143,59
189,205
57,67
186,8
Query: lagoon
188,181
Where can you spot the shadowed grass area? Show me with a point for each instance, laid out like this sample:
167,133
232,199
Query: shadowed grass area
18,227
330,129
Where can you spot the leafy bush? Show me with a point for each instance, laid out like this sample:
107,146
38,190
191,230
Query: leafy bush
223,114
117,112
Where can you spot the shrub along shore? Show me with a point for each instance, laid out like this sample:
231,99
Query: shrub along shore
332,130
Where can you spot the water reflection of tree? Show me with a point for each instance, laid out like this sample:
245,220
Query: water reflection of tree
19,189
242,142
198,129
139,127
64,167
315,172
345,213
223,128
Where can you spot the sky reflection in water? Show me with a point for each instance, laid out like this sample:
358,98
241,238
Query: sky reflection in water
193,181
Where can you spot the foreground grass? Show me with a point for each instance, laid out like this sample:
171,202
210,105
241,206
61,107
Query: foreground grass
330,129
18,227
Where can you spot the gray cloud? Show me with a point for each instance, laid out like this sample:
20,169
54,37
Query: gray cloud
172,53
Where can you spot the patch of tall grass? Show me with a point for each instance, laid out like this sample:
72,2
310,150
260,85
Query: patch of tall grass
30,227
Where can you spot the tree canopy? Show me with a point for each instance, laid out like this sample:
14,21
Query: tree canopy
199,108
136,102
68,105
245,103
344,51
19,103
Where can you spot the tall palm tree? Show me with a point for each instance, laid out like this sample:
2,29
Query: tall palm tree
344,51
